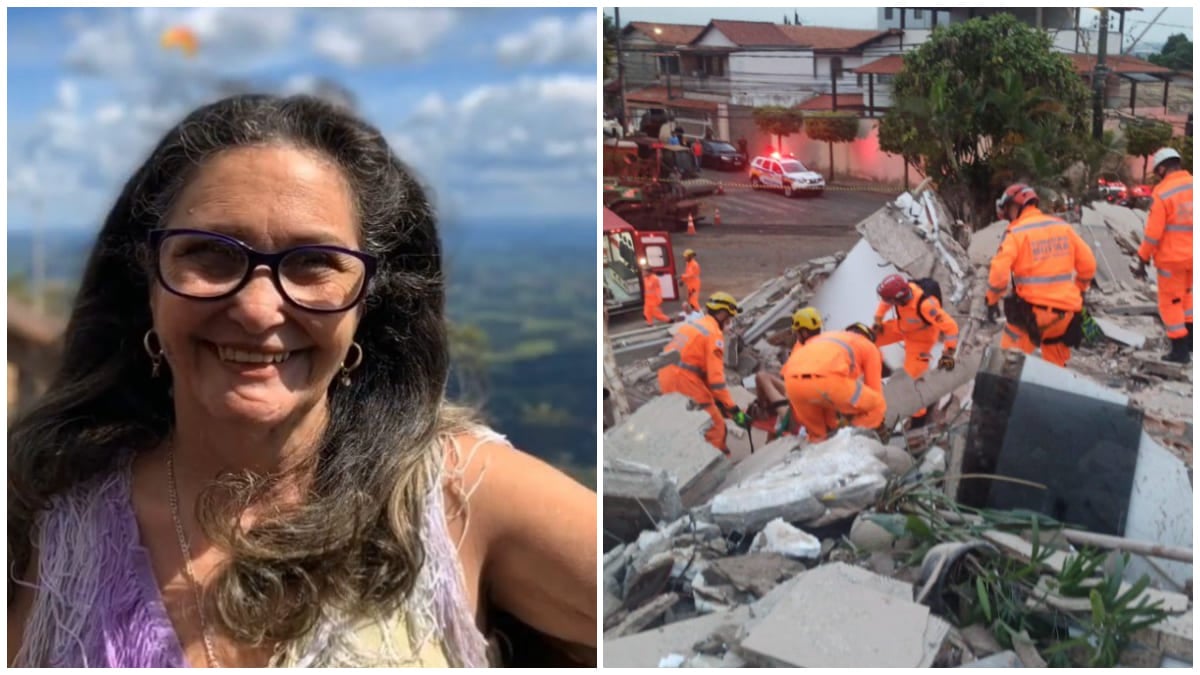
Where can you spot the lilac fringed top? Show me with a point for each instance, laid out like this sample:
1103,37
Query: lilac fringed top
97,602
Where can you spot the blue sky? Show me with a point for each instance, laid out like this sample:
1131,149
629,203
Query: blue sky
495,108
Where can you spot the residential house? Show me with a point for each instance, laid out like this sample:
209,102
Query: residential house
647,51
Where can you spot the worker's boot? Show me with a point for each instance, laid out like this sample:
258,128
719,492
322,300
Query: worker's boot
1179,351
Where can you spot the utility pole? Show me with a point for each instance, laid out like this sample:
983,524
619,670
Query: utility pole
621,73
1126,50
1100,79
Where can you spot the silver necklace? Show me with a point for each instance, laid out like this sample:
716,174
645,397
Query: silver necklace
209,650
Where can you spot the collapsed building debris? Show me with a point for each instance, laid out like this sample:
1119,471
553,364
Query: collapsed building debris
805,554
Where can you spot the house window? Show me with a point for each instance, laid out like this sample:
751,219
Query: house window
835,67
859,79
884,79
887,13
918,14
713,66
668,65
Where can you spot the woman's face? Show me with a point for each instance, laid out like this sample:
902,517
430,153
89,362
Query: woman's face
253,357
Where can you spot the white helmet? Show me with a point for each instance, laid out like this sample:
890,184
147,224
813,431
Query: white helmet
1162,156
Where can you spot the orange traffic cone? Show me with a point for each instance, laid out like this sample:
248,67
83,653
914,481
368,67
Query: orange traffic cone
720,188
691,225
717,216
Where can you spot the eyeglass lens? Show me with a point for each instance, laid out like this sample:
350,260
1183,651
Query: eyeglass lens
315,277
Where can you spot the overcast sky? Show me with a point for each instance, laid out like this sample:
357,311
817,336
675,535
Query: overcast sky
1174,19
494,108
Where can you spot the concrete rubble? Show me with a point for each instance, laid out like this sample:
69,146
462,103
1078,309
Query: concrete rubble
789,556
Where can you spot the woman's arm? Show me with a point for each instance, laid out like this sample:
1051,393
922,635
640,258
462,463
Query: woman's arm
531,534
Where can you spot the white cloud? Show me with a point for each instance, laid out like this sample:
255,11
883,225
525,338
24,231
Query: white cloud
552,40
381,36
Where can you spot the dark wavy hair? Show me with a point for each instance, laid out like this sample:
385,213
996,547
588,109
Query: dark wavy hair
355,541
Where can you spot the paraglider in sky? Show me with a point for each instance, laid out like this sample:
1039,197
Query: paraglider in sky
181,38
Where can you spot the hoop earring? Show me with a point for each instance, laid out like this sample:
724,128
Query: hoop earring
156,357
348,368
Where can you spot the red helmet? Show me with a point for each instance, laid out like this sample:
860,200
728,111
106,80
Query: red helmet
1017,193
894,289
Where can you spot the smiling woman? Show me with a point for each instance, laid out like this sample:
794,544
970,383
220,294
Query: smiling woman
246,458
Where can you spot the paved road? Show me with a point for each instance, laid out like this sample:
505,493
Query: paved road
770,211
763,233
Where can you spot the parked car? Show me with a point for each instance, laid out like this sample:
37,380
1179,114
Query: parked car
1113,190
721,155
787,174
1139,196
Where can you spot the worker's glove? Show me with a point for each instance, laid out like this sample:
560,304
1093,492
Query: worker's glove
946,362
1139,269
993,313
740,418
877,327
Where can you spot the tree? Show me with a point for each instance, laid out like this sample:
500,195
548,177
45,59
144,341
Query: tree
778,122
610,47
1010,109
1183,145
1143,137
832,128
1176,54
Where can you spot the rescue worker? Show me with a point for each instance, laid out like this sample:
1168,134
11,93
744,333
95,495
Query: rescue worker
839,373
691,281
700,373
920,321
1168,242
771,389
652,298
1050,267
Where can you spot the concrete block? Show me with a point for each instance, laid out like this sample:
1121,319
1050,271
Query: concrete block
804,487
780,537
635,498
1113,331
666,435
643,616
1160,510
831,623
644,650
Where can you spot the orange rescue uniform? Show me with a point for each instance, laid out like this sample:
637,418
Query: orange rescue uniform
652,299
1050,266
691,281
700,374
918,334
1168,241
839,372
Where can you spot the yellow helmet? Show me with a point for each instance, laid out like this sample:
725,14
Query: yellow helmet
725,301
806,318
862,329
689,253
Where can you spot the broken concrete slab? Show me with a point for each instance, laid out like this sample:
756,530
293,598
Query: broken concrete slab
644,650
827,622
838,473
1173,636
647,581
665,434
1115,332
635,498
643,616
756,573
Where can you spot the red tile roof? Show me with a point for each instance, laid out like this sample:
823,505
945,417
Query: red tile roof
888,65
658,97
821,38
672,34
752,33
1086,63
825,102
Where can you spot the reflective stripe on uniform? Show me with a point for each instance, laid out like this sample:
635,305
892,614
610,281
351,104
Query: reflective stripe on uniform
1043,280
1176,326
1151,240
699,327
857,392
1187,313
717,387
1178,228
1011,332
1035,225
1175,190
947,336
998,289
692,369
1163,273
848,348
